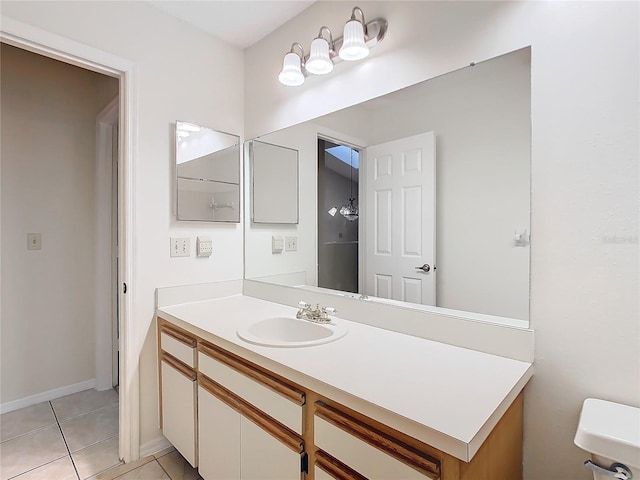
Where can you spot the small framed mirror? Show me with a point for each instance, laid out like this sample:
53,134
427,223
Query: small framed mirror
274,182
207,174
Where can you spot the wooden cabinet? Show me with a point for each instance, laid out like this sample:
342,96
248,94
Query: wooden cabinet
178,383
237,420
349,445
253,424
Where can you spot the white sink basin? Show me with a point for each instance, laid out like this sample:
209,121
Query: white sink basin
290,332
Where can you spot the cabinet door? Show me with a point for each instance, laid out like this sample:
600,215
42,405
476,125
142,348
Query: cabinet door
179,408
218,438
369,451
264,457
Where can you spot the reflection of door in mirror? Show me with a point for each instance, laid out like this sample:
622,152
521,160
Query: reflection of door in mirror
337,217
400,201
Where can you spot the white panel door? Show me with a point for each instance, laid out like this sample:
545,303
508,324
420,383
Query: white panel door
400,223
263,457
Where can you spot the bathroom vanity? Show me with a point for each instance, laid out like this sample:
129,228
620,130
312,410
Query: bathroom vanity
371,404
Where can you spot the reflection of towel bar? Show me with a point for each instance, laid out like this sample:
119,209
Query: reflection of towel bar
221,205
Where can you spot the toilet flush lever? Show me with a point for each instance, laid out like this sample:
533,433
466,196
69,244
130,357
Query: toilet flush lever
616,470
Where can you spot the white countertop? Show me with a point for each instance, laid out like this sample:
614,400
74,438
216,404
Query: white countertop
446,396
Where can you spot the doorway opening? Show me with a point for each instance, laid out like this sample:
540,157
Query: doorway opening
53,46
57,194
338,214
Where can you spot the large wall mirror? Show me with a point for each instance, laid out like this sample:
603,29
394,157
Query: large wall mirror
418,197
207,174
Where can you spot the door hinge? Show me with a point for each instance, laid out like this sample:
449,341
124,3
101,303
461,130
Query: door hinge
304,462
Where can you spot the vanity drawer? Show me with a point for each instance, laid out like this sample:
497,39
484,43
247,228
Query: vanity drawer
370,451
179,345
267,393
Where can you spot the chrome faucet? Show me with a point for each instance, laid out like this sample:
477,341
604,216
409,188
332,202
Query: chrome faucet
319,315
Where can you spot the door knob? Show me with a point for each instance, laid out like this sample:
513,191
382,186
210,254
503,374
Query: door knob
425,268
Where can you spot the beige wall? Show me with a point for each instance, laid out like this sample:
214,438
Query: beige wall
182,74
49,111
585,187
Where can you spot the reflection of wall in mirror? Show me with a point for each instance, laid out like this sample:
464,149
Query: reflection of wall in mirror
221,166
481,117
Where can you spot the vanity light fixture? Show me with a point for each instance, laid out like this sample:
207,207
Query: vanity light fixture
354,46
355,43
319,62
291,74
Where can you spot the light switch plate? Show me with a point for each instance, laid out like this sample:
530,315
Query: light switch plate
180,247
277,244
204,246
290,244
34,241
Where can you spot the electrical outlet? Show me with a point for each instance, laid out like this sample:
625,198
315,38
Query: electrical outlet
204,246
180,247
290,244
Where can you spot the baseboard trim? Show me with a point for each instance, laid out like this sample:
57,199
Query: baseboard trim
154,446
46,396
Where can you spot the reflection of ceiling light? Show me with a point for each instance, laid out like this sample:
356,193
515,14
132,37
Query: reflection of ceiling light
182,134
358,38
189,127
332,211
349,211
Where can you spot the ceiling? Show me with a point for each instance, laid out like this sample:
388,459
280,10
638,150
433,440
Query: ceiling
238,22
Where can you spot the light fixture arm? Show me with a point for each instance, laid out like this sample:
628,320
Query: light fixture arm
293,50
330,41
353,14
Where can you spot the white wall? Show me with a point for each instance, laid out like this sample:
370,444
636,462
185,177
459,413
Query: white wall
49,112
182,73
584,266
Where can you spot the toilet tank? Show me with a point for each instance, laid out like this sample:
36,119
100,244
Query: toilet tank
610,432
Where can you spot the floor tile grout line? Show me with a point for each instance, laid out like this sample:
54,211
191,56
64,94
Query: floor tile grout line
87,413
39,466
163,469
28,433
65,441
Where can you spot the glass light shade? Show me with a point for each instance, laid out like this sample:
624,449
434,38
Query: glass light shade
291,74
353,46
319,62
350,211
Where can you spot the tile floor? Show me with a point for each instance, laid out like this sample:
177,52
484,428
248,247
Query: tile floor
76,438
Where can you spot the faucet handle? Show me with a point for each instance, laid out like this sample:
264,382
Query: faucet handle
330,310
302,304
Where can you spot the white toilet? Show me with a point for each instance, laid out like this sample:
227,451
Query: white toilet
610,432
